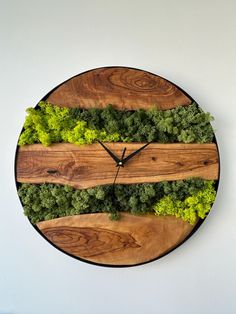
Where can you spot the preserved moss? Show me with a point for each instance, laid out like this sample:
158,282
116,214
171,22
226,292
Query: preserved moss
187,199
52,124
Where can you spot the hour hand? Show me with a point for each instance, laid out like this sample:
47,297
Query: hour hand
113,156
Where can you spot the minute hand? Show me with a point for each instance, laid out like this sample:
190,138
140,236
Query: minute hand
133,154
113,156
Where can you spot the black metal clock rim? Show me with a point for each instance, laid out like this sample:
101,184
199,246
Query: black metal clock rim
109,265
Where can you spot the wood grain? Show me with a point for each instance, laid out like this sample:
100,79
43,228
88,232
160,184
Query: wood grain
129,241
90,165
125,88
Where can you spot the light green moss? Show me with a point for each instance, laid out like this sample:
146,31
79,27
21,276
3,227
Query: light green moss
194,206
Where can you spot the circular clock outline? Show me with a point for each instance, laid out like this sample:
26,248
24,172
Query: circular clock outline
198,224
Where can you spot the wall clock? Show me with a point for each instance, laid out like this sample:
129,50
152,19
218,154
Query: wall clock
117,166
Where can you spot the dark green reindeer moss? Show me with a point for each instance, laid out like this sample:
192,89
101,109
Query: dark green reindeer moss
187,199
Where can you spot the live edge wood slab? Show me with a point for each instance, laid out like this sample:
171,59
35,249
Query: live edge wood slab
128,241
89,165
124,88
93,237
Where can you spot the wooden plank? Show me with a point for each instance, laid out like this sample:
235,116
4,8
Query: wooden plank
89,165
125,88
128,241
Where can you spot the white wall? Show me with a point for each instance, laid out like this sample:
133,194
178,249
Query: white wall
190,42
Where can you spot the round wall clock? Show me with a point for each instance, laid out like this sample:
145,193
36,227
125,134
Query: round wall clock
117,166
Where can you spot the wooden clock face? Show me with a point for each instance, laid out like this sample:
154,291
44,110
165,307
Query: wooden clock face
117,166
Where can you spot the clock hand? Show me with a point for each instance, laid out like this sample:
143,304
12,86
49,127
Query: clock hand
123,154
134,153
114,212
113,156
119,165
